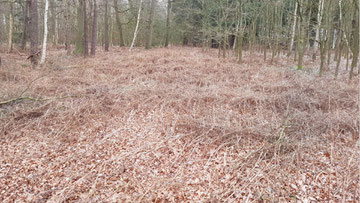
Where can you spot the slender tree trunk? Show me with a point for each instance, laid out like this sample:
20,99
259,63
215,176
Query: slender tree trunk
302,30
26,24
319,20
347,58
93,31
43,52
67,27
150,27
322,58
293,29
11,27
53,21
106,26
79,43
34,39
119,25
167,35
339,47
137,27
355,43
86,32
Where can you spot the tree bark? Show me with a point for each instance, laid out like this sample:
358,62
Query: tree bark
355,43
106,26
93,33
67,27
79,43
26,24
11,27
34,39
119,25
86,33
167,35
43,53
319,20
293,29
137,27
53,33
150,27
302,30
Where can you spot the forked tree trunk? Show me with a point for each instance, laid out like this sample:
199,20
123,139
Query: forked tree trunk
43,52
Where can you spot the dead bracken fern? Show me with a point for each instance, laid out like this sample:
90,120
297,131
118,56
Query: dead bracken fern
178,125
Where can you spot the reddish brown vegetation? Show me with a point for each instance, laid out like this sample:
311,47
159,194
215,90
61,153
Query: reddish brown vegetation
178,125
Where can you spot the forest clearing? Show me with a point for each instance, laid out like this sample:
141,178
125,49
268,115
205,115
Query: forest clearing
176,124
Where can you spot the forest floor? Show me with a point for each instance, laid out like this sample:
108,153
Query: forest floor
176,124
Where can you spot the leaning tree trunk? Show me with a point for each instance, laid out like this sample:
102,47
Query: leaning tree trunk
93,31
11,27
106,26
33,29
43,53
136,27
119,25
150,26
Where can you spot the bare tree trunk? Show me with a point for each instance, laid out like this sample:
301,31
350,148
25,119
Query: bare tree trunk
86,33
79,43
293,29
106,26
302,30
67,27
54,23
119,25
137,27
150,27
93,31
43,53
167,35
339,47
34,39
319,20
355,43
26,24
11,27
